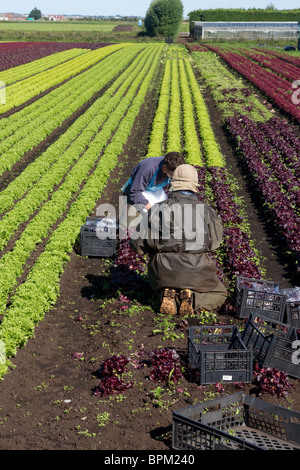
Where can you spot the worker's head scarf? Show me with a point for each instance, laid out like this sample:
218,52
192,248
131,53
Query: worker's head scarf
185,178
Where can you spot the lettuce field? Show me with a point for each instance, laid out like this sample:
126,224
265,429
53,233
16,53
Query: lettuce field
87,360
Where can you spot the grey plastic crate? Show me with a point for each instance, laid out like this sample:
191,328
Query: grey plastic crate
293,313
97,238
219,354
272,343
260,302
236,422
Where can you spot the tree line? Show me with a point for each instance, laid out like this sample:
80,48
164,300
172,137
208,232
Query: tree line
252,14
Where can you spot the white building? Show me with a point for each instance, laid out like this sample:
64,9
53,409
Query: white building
56,17
246,30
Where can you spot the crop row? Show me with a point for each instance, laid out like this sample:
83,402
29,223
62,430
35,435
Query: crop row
237,254
271,150
285,141
274,161
157,141
280,67
79,136
13,54
35,111
281,208
192,147
284,149
174,120
82,152
275,87
23,71
175,114
183,107
23,90
285,57
40,290
230,94
61,147
280,84
22,131
217,187
211,148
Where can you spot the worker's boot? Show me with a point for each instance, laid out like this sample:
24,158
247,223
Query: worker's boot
168,304
186,302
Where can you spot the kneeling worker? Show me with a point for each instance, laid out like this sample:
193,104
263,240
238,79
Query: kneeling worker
178,234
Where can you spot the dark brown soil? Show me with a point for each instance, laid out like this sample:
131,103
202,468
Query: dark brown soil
47,402
123,27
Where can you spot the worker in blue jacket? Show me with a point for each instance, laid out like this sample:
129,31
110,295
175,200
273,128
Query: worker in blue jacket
150,175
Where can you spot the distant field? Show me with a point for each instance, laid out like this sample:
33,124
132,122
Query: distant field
103,26
90,31
184,26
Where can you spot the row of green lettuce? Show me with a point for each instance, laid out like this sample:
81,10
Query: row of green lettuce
25,194
21,91
34,297
180,91
25,129
20,72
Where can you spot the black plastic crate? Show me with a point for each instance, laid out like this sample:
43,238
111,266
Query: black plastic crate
259,297
236,422
91,245
292,306
273,344
293,313
98,237
219,354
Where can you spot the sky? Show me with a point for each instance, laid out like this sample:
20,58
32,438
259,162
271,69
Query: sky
131,8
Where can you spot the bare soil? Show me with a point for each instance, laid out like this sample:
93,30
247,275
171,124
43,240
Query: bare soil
47,401
123,27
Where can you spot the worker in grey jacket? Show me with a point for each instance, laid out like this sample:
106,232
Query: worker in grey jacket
178,234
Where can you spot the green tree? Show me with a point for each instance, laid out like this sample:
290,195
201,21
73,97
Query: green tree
270,7
35,13
164,18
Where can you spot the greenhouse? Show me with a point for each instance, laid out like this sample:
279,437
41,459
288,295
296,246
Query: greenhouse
246,30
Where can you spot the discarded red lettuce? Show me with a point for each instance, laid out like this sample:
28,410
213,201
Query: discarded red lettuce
111,385
166,366
272,381
111,382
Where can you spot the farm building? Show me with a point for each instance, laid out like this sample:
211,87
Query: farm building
56,17
246,30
